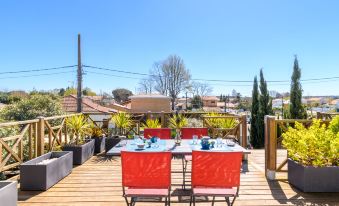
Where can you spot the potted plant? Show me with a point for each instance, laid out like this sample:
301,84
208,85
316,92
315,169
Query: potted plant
313,164
43,172
122,121
82,148
152,123
8,193
99,137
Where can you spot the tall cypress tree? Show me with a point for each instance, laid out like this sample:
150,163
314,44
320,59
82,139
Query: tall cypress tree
264,109
254,114
297,110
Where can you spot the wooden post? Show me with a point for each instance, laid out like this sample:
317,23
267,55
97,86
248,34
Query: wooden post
162,117
30,140
319,116
41,136
270,147
244,131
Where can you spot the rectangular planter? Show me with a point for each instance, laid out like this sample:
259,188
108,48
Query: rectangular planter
81,153
313,179
8,193
99,145
111,142
34,176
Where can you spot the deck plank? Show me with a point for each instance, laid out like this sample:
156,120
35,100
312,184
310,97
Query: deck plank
98,183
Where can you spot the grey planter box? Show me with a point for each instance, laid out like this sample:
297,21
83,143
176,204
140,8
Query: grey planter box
112,141
99,144
81,153
44,176
313,179
8,193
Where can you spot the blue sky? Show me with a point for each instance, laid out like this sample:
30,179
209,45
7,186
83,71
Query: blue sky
227,40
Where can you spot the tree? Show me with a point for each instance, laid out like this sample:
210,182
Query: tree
254,114
170,77
200,89
62,92
196,102
88,92
121,95
296,108
70,90
31,108
265,108
146,86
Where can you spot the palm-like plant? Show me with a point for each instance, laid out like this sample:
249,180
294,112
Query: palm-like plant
78,126
152,123
178,121
122,121
218,121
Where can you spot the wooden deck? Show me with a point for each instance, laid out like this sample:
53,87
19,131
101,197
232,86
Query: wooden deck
98,183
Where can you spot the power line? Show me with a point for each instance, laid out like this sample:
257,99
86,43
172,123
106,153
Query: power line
36,75
111,75
37,70
211,80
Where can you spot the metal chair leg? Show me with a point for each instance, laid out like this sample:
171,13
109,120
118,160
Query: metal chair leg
213,200
228,201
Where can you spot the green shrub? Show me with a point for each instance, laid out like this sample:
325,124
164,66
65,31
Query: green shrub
152,123
334,125
313,146
122,121
222,122
178,121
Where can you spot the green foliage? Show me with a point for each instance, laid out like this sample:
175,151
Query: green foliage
122,121
265,108
297,110
31,108
254,139
196,102
70,90
220,121
95,131
79,128
178,121
88,92
334,125
152,123
313,146
121,95
8,98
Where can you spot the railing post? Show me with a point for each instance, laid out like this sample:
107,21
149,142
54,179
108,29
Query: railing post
244,131
270,147
162,119
319,115
41,136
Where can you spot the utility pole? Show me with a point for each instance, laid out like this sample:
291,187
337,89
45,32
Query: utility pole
225,108
79,75
186,100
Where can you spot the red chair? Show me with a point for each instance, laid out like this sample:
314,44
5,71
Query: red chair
216,174
146,174
187,133
162,133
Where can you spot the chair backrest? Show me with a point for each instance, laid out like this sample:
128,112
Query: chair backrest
146,169
162,133
187,133
216,169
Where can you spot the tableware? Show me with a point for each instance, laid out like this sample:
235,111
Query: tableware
195,139
205,144
141,146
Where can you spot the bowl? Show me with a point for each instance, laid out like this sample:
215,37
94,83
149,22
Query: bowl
140,146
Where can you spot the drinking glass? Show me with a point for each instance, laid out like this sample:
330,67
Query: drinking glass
219,142
136,139
195,139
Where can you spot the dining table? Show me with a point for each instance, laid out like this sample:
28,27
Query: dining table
185,148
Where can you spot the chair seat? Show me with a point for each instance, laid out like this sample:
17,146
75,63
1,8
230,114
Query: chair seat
146,192
203,191
188,158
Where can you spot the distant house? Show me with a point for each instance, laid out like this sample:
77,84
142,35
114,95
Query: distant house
150,102
69,104
181,103
210,101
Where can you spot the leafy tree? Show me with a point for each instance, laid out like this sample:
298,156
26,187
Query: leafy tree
254,114
265,108
62,92
70,90
197,102
88,92
8,98
121,95
31,108
296,109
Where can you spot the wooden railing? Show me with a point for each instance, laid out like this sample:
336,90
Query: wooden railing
273,141
33,138
326,116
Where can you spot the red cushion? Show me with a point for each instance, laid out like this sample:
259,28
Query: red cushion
214,191
141,192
